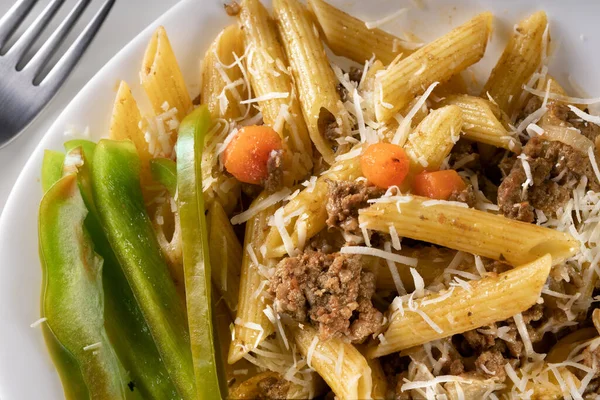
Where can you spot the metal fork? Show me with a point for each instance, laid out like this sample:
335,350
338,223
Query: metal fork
22,97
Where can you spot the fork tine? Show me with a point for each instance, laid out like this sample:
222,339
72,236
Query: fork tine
42,56
19,49
66,63
13,18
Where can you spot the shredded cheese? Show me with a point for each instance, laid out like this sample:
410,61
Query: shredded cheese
386,19
388,255
261,206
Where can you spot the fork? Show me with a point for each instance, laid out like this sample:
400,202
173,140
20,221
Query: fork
22,94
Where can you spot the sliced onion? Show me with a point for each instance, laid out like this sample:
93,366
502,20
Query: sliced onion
567,135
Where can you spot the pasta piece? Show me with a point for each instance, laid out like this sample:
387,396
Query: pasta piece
444,314
431,265
481,123
222,94
251,324
162,79
312,200
269,74
431,141
314,78
349,37
223,88
455,85
520,59
436,62
222,321
125,124
225,255
353,380
466,229
380,384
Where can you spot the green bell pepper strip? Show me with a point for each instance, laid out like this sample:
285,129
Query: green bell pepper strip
73,300
118,197
164,171
196,264
52,166
124,321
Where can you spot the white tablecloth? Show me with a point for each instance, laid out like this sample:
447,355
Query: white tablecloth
126,20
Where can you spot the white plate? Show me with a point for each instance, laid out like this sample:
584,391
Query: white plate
26,371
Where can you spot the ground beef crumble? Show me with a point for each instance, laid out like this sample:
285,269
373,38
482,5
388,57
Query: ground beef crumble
555,168
464,196
274,180
330,290
344,200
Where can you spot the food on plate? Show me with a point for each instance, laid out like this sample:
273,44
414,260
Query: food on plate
307,230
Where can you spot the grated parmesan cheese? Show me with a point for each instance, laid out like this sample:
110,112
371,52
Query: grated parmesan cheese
261,206
388,255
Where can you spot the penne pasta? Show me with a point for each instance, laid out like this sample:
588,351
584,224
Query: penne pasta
431,141
222,81
482,122
125,125
380,385
353,377
225,255
349,37
314,78
435,62
312,201
491,299
269,74
162,80
466,229
222,96
251,323
520,59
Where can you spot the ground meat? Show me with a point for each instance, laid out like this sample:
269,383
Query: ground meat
272,388
328,126
555,169
274,180
456,367
491,363
354,74
344,200
232,8
464,196
330,290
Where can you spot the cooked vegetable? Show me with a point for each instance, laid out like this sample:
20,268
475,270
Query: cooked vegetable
438,185
384,164
124,322
73,300
196,262
248,153
51,168
118,197
164,171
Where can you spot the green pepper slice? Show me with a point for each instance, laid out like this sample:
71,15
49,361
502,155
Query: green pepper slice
196,263
164,171
52,166
73,300
124,321
118,198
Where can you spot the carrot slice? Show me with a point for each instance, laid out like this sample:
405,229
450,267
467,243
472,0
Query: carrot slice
438,185
247,154
384,164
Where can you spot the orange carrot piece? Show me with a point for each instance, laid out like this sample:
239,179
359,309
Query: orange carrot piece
438,185
384,164
247,154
